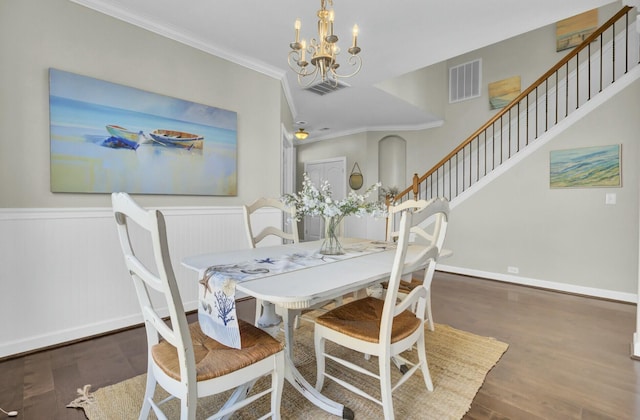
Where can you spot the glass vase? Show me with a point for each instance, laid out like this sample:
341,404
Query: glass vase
331,245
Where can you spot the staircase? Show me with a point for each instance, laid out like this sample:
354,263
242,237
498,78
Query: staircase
605,62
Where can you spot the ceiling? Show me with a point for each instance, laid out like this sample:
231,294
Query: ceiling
396,38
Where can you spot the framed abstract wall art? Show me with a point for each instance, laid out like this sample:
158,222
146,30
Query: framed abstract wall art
107,137
572,31
502,92
585,167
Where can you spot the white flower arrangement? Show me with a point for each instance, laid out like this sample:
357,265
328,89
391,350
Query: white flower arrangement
312,201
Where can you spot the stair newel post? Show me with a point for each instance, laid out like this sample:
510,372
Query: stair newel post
415,186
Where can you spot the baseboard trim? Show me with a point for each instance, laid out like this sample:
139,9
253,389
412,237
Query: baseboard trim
62,338
113,327
544,284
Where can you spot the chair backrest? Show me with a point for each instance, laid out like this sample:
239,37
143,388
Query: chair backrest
421,257
289,212
425,213
148,283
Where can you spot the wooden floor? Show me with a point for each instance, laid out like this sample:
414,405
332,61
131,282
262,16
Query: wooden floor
568,357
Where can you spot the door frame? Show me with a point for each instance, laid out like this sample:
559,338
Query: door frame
287,163
288,155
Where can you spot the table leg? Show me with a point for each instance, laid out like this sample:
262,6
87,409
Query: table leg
269,320
289,319
294,377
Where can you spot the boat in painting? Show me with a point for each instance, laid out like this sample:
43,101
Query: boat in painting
114,142
121,138
123,133
177,139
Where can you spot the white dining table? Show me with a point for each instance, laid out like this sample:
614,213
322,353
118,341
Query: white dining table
304,288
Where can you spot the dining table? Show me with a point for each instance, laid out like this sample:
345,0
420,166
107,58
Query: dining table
365,263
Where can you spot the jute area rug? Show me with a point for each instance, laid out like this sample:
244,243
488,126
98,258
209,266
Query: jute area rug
458,361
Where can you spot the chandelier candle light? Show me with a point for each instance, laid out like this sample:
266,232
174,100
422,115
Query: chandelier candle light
323,51
312,201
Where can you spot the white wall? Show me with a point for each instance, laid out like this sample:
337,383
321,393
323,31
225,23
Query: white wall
64,277
425,88
566,239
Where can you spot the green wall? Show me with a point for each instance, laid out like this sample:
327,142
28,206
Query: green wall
36,35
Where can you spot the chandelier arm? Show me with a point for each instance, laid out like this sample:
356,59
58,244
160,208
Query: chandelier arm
354,60
305,84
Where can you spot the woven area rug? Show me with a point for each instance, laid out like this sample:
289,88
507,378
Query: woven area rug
458,361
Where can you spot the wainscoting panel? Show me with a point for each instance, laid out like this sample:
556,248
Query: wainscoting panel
63,275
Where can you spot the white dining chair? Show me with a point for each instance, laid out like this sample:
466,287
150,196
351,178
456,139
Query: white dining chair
181,359
434,212
382,328
270,203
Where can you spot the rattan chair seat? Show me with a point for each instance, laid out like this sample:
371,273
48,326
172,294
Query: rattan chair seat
405,286
214,359
361,319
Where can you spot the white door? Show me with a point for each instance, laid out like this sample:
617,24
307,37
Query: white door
332,170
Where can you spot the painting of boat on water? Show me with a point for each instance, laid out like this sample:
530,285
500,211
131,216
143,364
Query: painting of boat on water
108,137
586,167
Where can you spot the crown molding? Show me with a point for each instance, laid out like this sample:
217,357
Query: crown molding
369,129
182,37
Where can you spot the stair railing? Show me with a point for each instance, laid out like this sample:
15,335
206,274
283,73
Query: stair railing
601,59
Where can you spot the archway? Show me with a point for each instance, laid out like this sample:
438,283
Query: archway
392,162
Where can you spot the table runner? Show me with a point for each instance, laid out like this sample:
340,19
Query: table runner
217,306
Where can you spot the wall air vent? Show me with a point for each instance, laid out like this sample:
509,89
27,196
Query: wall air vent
464,81
326,86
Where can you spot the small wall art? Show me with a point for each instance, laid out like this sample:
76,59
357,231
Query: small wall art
107,137
585,167
573,31
502,92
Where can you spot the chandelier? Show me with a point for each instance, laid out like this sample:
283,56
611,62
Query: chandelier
322,51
